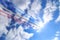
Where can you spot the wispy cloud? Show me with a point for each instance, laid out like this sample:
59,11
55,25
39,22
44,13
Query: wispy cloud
58,19
22,4
56,36
47,16
3,23
48,12
36,6
18,34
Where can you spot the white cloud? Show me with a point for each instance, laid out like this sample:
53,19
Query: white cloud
57,35
3,19
47,16
56,38
32,13
0,7
3,24
3,30
22,4
59,0
58,32
10,35
24,34
36,6
18,34
39,26
58,19
48,12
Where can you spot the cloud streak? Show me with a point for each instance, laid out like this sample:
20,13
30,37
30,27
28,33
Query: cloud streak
34,11
47,16
58,19
18,34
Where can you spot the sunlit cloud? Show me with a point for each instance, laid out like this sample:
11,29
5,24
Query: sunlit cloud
38,25
48,12
47,16
58,19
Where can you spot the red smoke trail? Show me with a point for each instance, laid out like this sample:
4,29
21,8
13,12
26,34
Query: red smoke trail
7,14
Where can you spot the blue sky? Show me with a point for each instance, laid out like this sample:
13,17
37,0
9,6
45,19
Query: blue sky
50,29
42,20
